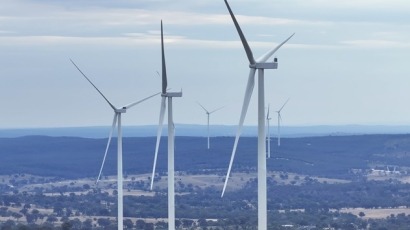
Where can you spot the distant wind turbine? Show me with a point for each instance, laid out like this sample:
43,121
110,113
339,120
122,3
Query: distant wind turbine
260,64
171,134
280,119
116,122
208,115
268,118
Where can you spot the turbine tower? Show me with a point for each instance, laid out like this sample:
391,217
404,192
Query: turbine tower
171,132
268,118
260,64
208,114
280,119
118,111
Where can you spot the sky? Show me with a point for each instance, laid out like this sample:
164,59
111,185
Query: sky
347,63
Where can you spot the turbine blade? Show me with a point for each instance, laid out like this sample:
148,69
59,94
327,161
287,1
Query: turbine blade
164,68
114,122
112,106
283,105
161,121
267,115
202,107
241,35
246,100
267,55
217,109
136,103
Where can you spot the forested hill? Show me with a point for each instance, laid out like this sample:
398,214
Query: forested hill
215,130
71,157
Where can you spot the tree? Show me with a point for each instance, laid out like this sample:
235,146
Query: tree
140,224
86,186
103,222
187,223
128,223
88,224
9,224
76,223
66,226
58,208
24,211
202,222
149,226
52,219
16,215
31,218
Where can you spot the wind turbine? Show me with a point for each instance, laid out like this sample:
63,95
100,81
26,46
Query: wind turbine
260,64
268,118
208,114
118,111
280,119
171,132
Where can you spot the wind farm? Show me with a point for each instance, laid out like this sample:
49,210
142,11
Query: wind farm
341,159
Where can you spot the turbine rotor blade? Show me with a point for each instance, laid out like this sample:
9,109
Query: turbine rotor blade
267,55
112,106
161,121
283,105
114,122
246,100
164,68
136,103
267,115
213,111
242,36
202,107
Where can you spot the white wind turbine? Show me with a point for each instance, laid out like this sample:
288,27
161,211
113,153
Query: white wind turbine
268,118
280,119
116,122
260,64
208,115
171,133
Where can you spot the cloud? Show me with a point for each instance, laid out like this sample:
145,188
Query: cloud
6,32
357,4
146,39
376,44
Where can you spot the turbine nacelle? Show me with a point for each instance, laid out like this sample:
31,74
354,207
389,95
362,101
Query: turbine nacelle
121,110
172,94
265,65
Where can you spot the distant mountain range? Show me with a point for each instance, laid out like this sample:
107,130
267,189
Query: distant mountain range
215,130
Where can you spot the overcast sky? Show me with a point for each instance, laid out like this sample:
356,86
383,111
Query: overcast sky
347,63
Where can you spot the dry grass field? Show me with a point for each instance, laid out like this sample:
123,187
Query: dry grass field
377,213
